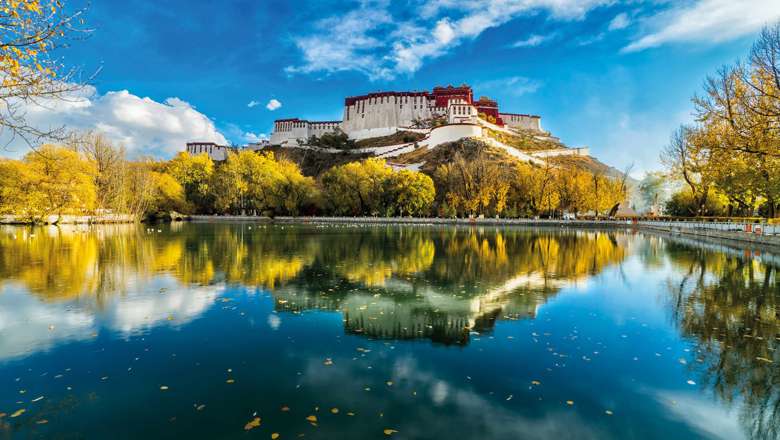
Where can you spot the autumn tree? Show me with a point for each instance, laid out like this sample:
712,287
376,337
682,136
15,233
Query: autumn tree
733,150
259,183
30,34
60,182
371,187
193,172
412,193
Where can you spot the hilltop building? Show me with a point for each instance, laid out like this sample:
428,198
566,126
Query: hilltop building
384,113
220,152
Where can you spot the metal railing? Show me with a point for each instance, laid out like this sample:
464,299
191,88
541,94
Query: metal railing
748,225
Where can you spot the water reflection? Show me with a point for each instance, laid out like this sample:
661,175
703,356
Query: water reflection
404,283
730,307
441,286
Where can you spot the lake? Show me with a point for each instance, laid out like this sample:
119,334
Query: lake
222,331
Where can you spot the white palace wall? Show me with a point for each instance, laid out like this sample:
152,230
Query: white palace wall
372,116
526,122
385,113
289,132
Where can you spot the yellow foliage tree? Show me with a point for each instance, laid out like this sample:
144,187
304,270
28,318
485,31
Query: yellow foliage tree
59,181
30,31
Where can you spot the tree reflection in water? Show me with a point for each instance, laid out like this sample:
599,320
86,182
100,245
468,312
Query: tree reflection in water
443,285
728,305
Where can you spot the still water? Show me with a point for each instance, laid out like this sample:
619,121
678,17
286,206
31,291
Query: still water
328,332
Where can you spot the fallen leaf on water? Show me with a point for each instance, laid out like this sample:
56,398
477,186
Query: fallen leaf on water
763,359
389,431
690,382
312,419
41,422
37,399
252,424
389,383
2,415
328,362
285,408
274,436
164,388
334,410
201,407
230,381
350,414
18,413
535,382
570,402
608,412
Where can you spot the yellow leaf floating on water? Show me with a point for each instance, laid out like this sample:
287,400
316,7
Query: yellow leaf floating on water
252,424
570,402
230,381
389,431
18,413
763,359
535,382
312,419
350,414
285,408
334,410
274,436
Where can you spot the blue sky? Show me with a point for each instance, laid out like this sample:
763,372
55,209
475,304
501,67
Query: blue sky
614,76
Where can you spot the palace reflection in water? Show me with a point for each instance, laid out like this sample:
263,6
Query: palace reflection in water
441,286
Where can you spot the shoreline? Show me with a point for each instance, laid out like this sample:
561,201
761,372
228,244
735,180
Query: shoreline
736,238
720,233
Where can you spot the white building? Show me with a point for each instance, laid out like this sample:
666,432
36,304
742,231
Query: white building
297,131
385,113
215,152
525,122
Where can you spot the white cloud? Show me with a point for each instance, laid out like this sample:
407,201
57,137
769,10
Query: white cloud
273,104
241,136
707,21
372,41
253,103
142,125
513,85
274,322
532,41
621,21
705,416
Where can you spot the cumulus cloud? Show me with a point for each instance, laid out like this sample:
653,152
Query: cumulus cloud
371,40
142,125
621,21
706,21
273,104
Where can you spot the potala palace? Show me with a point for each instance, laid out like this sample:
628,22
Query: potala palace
445,114
384,113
